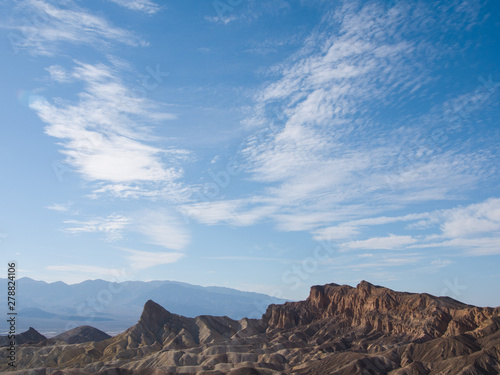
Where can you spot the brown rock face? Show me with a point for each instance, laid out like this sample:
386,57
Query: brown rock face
338,329
375,308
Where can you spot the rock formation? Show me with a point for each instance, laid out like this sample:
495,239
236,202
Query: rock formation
31,336
338,330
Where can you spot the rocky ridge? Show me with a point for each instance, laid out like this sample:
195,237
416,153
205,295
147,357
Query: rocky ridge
338,329
77,335
374,308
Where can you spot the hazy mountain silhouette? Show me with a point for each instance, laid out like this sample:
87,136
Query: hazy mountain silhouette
113,307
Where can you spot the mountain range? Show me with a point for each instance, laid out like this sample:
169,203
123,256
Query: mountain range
337,330
114,306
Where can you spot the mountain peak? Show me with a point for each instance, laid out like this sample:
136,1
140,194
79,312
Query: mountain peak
365,286
153,314
151,305
79,335
31,336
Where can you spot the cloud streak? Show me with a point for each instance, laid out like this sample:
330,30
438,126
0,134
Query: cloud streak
53,25
140,260
144,6
326,156
111,226
59,207
106,138
392,242
162,228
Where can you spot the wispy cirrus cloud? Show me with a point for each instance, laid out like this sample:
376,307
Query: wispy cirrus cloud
60,207
336,233
111,226
339,152
159,227
162,228
472,229
144,6
391,242
247,11
106,136
239,212
59,74
58,23
139,260
222,19
327,156
330,146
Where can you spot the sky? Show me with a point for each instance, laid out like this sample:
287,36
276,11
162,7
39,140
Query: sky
260,145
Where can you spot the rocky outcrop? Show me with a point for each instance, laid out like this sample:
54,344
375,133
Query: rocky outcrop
374,308
31,336
338,329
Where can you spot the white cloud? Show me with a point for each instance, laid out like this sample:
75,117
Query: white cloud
475,219
159,227
387,262
112,226
143,259
324,152
105,137
271,44
488,245
351,228
319,148
59,74
145,6
473,229
59,207
118,159
162,228
68,24
224,19
211,212
227,11
367,261
302,220
242,212
335,233
392,242
439,263
381,220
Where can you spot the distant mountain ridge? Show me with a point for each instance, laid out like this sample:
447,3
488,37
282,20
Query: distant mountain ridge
113,307
77,335
337,330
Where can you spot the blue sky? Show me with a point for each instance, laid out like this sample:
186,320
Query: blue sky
261,145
